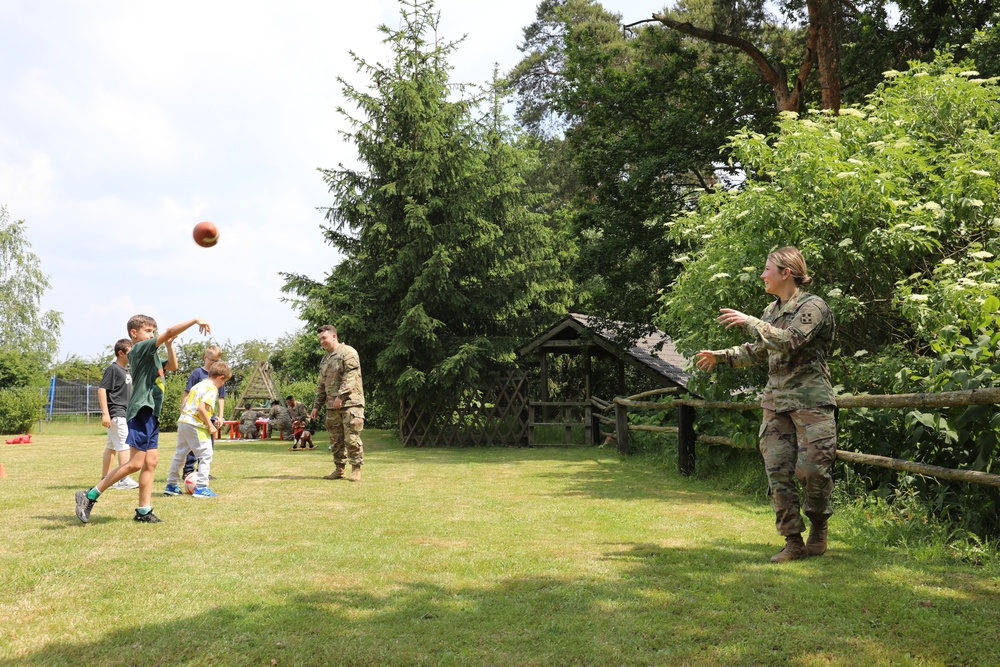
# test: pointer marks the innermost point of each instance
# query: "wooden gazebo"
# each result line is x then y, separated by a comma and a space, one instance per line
653, 356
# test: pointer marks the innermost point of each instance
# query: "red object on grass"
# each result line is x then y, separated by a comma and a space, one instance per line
20, 440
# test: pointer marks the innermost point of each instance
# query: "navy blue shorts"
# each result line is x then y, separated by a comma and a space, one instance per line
144, 431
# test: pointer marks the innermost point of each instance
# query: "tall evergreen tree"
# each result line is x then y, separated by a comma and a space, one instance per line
446, 268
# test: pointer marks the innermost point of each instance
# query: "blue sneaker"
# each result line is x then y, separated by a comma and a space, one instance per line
172, 490
204, 492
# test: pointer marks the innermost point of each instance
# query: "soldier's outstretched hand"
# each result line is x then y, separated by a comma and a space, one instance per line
705, 360
731, 318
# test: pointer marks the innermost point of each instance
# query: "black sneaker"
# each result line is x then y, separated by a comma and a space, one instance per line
147, 518
83, 506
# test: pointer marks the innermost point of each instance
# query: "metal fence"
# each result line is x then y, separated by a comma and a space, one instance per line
70, 398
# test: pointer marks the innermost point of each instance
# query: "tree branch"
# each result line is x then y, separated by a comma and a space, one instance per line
775, 75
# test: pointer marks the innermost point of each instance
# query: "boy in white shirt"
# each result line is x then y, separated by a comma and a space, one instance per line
195, 430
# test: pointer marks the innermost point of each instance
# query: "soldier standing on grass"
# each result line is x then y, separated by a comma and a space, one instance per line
799, 430
340, 388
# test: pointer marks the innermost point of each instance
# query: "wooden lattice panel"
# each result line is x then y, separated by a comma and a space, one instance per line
493, 414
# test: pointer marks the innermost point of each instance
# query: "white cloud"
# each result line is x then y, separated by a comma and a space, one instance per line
122, 124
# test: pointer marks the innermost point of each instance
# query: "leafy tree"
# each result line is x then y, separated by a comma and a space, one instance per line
296, 358
643, 113
894, 206
446, 266
19, 370
78, 369
22, 324
846, 43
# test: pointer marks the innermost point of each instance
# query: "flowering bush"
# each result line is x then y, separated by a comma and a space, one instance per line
895, 208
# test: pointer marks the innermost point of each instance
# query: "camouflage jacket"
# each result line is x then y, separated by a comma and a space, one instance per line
340, 375
795, 338
277, 417
298, 411
248, 418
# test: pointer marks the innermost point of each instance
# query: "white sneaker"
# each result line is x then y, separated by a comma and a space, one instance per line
124, 484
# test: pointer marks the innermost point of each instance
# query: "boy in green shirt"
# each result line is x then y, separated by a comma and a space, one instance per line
143, 413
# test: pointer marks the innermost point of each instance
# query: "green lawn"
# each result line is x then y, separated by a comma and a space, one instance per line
451, 557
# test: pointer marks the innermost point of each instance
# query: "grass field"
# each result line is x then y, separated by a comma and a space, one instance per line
451, 557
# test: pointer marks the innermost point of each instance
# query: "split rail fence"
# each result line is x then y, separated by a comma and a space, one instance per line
687, 437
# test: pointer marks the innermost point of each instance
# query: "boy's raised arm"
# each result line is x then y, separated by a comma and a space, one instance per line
171, 364
177, 329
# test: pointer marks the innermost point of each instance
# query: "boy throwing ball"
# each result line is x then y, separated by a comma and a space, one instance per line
143, 413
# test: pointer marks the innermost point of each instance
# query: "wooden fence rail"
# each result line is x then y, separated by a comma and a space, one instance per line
686, 436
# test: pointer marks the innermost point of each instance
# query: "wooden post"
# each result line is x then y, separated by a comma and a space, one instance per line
543, 363
567, 418
685, 440
621, 429
621, 378
531, 425
591, 429
524, 415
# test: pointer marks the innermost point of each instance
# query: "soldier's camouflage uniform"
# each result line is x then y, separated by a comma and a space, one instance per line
277, 420
798, 434
340, 375
248, 424
298, 411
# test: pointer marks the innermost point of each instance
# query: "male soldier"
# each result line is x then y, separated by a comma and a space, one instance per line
341, 390
248, 423
277, 420
297, 413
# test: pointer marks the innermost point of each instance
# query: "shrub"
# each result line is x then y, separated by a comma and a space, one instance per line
896, 206
20, 408
172, 401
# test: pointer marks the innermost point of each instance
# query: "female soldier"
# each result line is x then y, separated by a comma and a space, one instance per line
798, 435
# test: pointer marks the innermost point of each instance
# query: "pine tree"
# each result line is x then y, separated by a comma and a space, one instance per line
446, 269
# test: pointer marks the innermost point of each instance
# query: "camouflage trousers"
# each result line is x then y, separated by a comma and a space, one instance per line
799, 445
345, 426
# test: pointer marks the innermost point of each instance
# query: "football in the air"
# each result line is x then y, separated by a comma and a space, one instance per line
206, 234
189, 482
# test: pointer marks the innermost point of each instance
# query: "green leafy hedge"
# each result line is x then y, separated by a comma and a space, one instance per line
20, 408
896, 207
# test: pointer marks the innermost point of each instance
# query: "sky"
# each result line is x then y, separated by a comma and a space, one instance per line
124, 123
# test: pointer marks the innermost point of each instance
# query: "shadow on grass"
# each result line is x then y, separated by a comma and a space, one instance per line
69, 520
720, 604
284, 477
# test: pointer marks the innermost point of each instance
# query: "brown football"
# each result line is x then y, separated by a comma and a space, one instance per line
206, 234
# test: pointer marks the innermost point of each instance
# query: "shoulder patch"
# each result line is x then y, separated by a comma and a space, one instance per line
811, 313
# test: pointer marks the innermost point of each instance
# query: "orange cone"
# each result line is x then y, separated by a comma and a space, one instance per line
3, 471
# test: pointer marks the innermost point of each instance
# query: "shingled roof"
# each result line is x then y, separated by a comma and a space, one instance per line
655, 353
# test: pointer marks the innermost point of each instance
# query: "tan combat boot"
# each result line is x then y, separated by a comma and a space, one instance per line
794, 549
816, 544
336, 474
355, 473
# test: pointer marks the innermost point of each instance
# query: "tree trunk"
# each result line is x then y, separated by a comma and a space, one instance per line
824, 16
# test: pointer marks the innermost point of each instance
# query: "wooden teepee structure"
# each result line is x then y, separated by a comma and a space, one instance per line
258, 387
